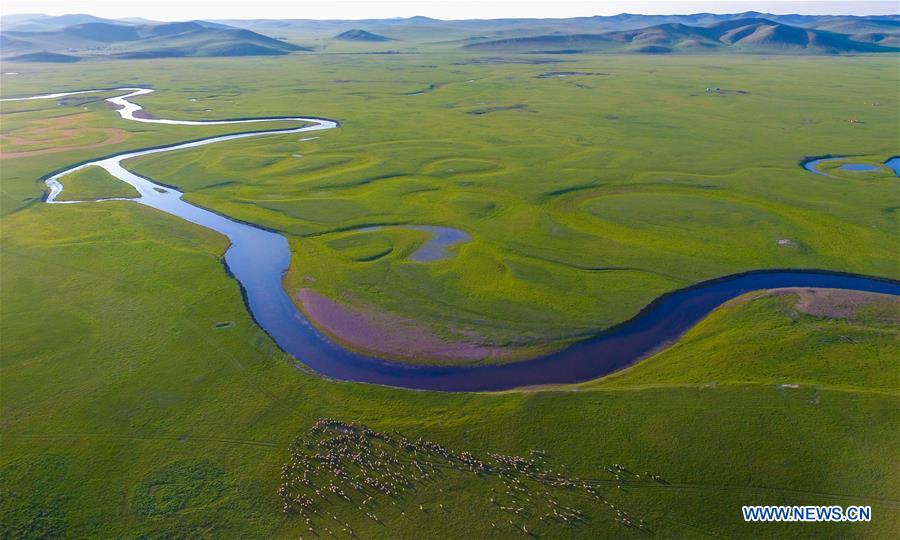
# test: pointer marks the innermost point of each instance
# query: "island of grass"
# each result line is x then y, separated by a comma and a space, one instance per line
92, 183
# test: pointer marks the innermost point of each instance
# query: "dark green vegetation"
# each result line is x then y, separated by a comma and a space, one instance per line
93, 39
129, 411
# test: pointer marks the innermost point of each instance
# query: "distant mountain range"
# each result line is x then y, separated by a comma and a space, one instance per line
126, 40
741, 35
34, 37
424, 28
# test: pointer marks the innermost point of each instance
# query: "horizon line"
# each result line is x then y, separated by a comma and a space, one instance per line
666, 14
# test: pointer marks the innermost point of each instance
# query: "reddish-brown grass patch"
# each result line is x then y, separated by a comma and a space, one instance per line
54, 133
390, 335
843, 304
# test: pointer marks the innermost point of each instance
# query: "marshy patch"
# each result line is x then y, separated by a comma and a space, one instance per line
844, 304
719, 91
362, 247
488, 110
390, 335
179, 486
434, 249
560, 74
501, 60
33, 504
427, 90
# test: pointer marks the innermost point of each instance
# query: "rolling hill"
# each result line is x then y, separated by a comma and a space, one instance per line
360, 35
428, 30
117, 40
751, 35
35, 22
44, 56
748, 32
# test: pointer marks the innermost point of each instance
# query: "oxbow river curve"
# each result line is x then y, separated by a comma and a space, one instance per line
258, 259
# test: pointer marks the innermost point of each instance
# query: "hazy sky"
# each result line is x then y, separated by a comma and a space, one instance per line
458, 9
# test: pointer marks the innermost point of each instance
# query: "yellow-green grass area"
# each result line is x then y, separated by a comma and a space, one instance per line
22, 185
128, 409
94, 183
598, 195
857, 353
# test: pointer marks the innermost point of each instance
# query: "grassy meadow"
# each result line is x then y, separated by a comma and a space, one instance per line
603, 192
93, 183
139, 400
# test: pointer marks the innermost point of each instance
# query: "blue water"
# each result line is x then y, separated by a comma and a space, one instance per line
894, 164
813, 165
436, 247
859, 167
658, 325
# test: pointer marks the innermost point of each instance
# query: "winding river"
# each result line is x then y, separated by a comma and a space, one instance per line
258, 260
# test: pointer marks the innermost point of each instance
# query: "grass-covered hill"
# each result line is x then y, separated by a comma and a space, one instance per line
881, 31
116, 40
36, 22
749, 32
741, 35
415, 31
360, 35
44, 56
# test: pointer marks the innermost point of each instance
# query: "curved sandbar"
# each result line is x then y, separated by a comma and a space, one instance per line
258, 259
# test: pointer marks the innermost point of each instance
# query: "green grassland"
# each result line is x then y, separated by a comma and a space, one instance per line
22, 184
604, 192
115, 381
94, 183
139, 400
857, 355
